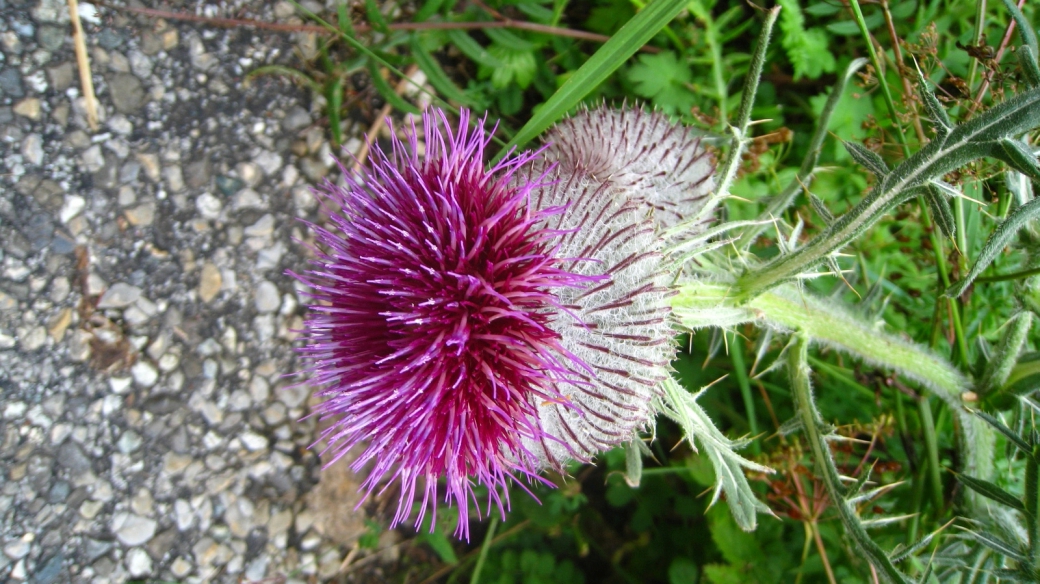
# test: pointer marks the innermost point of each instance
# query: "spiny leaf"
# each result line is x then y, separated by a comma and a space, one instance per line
821, 209
1019, 185
1012, 437
936, 111
941, 212
1006, 355
991, 491
866, 158
901, 553
995, 244
1019, 156
998, 545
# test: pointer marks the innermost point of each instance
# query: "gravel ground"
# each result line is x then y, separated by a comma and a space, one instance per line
146, 429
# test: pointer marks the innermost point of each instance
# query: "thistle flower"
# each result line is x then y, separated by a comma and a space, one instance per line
476, 325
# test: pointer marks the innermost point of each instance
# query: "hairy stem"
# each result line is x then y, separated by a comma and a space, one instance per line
798, 369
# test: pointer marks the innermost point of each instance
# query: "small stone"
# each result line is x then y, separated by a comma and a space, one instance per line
119, 295
150, 165
73, 206
57, 326
249, 173
208, 205
297, 119
174, 178
61, 76
127, 93
141, 215
129, 442
59, 492
120, 125
144, 373
20, 547
11, 83
142, 503
93, 159
29, 108
132, 530
32, 338
267, 298
259, 389
274, 414
89, 509
210, 282
253, 441
70, 456
138, 563
263, 227
269, 162
181, 567
248, 199
32, 149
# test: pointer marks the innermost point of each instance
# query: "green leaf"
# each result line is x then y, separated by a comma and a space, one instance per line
995, 244
436, 75
808, 50
998, 545
509, 40
607, 17
429, 8
1027, 58
850, 28
1006, 355
940, 119
942, 215
440, 544
633, 462
472, 49
866, 158
682, 571
375, 16
991, 491
663, 78
516, 66
636, 32
1020, 156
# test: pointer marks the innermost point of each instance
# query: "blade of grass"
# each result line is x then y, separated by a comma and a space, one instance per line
634, 34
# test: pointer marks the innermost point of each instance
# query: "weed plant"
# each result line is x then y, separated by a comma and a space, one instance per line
861, 322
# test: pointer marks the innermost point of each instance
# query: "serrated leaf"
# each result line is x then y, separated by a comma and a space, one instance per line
901, 553
1012, 437
516, 66
866, 158
808, 50
663, 78
942, 214
1020, 156
375, 16
991, 491
995, 244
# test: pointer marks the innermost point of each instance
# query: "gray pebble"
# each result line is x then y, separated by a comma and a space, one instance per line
267, 297
127, 93
50, 37
132, 530
297, 119
11, 83
71, 456
119, 295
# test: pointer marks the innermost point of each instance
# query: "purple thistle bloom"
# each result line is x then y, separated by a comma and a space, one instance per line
474, 324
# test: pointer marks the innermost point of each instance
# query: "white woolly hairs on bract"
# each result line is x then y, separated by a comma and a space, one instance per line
618, 193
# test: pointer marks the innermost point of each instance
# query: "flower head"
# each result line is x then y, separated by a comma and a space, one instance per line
474, 325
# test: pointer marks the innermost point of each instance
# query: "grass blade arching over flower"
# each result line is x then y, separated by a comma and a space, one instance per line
475, 325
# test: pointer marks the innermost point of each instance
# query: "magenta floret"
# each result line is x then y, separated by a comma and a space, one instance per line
429, 328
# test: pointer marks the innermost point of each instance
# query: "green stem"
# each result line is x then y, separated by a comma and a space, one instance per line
475, 578
885, 91
736, 353
798, 369
931, 444
1032, 492
1011, 276
700, 304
